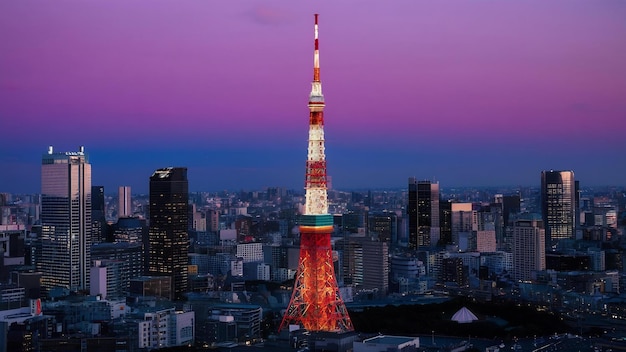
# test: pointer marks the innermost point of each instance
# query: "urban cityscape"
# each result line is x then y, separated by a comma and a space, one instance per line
427, 266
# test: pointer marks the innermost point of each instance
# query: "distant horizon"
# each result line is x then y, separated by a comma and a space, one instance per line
464, 92
135, 190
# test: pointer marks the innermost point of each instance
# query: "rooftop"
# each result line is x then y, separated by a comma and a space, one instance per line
389, 340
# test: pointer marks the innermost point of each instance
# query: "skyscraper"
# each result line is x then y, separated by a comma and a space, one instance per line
558, 203
124, 205
98, 217
423, 213
168, 238
65, 220
411, 213
316, 303
529, 251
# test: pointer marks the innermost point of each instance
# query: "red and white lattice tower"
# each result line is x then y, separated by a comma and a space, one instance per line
316, 304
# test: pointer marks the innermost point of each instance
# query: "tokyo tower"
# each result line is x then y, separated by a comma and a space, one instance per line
315, 302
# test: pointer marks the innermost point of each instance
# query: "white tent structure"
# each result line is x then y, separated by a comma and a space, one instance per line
464, 315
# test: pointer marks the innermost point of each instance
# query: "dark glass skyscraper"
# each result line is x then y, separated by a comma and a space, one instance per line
411, 213
98, 219
423, 213
168, 237
558, 205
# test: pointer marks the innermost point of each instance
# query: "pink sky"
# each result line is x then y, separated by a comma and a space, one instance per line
421, 88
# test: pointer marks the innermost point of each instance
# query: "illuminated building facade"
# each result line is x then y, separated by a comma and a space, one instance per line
423, 213
168, 238
558, 205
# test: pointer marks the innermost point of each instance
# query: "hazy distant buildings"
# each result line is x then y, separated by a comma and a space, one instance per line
529, 252
462, 219
384, 226
510, 206
168, 237
558, 205
423, 213
66, 220
124, 205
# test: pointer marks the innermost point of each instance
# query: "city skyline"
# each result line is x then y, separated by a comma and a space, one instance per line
481, 94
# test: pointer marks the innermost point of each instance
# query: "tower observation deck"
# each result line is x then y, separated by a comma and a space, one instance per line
316, 304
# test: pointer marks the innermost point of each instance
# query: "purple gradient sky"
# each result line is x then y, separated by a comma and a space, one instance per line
466, 92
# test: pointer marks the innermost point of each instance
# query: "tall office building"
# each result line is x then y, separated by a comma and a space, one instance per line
168, 237
98, 215
529, 251
411, 213
445, 223
423, 213
376, 267
558, 205
65, 220
510, 206
124, 205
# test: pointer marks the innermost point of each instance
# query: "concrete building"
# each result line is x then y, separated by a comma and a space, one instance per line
128, 256
166, 328
109, 279
250, 252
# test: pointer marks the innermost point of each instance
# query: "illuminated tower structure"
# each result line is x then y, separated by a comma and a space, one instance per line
316, 304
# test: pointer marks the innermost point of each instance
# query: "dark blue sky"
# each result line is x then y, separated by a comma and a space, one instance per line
467, 93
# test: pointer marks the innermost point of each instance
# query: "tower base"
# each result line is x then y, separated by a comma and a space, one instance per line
316, 304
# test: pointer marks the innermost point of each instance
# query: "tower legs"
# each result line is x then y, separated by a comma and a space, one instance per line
316, 304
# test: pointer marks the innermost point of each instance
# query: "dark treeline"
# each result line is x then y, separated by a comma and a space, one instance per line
496, 320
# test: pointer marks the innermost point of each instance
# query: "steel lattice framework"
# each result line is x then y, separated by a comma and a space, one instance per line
316, 304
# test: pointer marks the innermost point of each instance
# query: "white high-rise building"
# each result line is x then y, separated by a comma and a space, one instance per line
529, 248
66, 220
124, 205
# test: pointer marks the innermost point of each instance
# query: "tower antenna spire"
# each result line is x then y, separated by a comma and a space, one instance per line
316, 55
